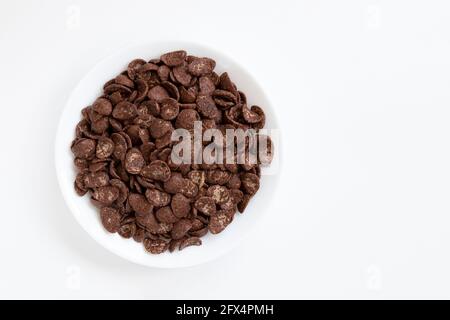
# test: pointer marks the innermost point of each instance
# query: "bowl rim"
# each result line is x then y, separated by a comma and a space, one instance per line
59, 141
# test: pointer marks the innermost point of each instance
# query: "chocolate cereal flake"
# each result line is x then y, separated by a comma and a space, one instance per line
123, 152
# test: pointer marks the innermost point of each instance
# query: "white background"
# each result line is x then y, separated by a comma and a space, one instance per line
362, 93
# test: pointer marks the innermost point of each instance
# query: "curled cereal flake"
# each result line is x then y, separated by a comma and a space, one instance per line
156, 170
180, 228
219, 222
220, 194
102, 106
147, 221
145, 182
134, 66
206, 106
116, 97
110, 219
186, 119
158, 93
206, 205
105, 148
96, 179
157, 246
201, 66
174, 58
175, 183
181, 75
160, 127
140, 204
134, 161
84, 148
157, 198
165, 215
124, 110
106, 194
180, 205
169, 109
124, 80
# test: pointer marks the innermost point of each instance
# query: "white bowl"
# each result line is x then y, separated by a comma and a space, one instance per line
87, 215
